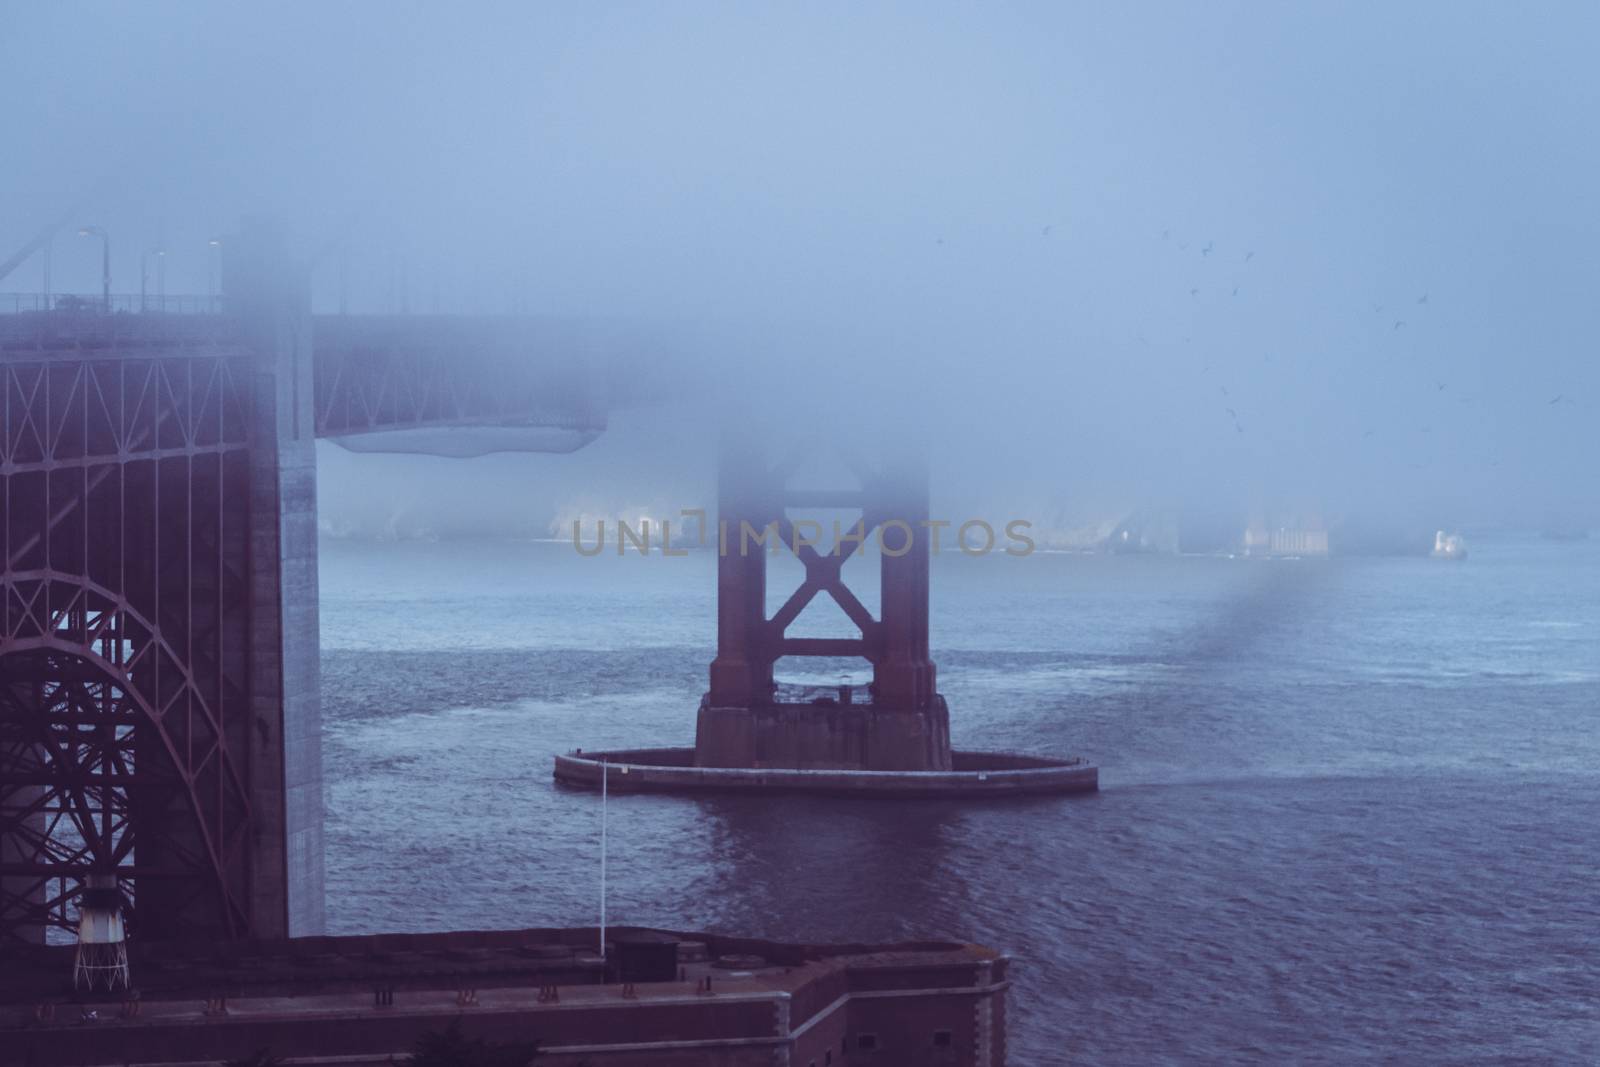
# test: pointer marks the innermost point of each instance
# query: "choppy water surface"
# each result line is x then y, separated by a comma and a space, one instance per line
1350, 809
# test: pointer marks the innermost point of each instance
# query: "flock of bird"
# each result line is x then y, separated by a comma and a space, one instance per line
1398, 323
1209, 249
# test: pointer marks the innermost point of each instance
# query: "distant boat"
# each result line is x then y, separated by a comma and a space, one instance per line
1449, 546
1286, 542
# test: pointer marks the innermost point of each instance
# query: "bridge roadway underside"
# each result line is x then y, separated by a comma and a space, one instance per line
160, 714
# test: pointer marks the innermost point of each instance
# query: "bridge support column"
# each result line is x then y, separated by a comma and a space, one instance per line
741, 675
904, 676
912, 727
744, 721
270, 295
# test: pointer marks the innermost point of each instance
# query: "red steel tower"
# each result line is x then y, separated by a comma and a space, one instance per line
159, 710
744, 721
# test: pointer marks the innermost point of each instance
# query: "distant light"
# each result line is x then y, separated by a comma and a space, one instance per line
216, 240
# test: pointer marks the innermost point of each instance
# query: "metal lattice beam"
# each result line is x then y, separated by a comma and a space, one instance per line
123, 615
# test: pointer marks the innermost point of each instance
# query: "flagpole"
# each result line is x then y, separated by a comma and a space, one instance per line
603, 790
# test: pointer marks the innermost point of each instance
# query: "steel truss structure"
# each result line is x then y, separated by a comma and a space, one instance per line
124, 614
375, 375
755, 496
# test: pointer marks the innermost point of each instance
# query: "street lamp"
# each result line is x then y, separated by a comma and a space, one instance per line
161, 277
105, 262
213, 268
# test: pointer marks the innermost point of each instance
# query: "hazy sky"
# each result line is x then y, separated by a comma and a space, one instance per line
865, 189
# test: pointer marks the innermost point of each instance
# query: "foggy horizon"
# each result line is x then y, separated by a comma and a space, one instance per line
1218, 261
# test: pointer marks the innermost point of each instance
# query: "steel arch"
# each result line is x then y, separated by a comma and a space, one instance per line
54, 619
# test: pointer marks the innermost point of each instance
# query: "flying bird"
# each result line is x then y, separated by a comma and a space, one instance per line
1440, 385
1377, 308
1558, 398
1398, 323
1247, 256
1224, 389
1423, 299
1206, 251
1236, 290
1165, 234
1194, 292
1046, 231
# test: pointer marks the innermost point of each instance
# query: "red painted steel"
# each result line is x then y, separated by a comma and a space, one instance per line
754, 495
125, 534
408, 372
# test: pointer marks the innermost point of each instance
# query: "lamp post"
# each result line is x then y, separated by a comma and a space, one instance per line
161, 278
213, 268
105, 262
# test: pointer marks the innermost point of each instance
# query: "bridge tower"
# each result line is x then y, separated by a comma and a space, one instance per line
900, 723
159, 710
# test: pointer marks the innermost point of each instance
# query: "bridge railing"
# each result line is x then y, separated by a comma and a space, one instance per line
121, 303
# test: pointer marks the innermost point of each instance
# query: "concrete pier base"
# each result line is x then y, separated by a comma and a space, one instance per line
831, 736
845, 748
971, 774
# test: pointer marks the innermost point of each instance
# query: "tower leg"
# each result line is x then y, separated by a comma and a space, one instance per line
274, 306
743, 720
